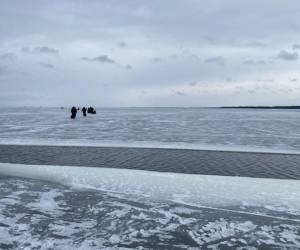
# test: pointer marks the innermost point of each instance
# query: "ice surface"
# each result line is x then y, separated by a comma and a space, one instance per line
197, 190
215, 129
65, 207
48, 215
38, 214
46, 201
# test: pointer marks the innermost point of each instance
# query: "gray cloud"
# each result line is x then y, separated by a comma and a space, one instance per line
102, 59
106, 59
254, 62
25, 50
261, 62
47, 65
122, 44
252, 91
40, 50
249, 62
293, 80
141, 30
220, 60
180, 93
2, 69
289, 56
193, 84
8, 56
128, 67
181, 56
45, 50
295, 27
157, 59
296, 46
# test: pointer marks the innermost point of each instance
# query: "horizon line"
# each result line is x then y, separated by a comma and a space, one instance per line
235, 106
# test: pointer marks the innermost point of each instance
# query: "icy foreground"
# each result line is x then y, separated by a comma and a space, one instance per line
204, 190
88, 208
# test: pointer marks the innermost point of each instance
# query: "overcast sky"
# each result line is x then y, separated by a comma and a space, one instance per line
149, 53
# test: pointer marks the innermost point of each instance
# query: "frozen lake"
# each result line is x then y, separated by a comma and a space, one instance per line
56, 197
225, 129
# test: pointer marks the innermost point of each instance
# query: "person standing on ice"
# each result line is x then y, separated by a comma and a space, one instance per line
73, 112
91, 110
84, 111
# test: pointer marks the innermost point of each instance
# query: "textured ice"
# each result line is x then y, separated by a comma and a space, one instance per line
46, 201
61, 207
216, 129
95, 219
196, 190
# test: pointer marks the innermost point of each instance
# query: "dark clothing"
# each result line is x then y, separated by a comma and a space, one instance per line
84, 111
73, 112
91, 110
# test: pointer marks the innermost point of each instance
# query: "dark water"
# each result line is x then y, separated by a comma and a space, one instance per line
263, 165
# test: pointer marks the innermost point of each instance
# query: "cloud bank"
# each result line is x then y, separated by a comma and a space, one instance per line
139, 53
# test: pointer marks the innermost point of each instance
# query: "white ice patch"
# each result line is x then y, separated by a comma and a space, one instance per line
47, 201
67, 229
218, 230
201, 190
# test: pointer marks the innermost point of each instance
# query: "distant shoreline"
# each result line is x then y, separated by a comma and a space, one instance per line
192, 107
261, 107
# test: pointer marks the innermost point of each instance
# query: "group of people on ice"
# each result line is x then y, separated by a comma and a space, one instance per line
74, 110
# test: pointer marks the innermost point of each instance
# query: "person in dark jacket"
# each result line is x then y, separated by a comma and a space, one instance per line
84, 111
73, 112
91, 110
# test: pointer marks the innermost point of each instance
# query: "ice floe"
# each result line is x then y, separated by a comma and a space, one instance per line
204, 190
